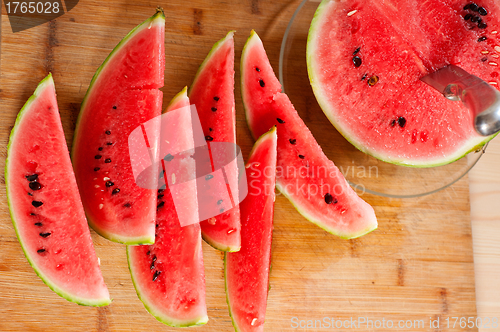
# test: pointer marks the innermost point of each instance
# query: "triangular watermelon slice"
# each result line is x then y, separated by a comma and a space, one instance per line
212, 93
169, 275
311, 182
122, 95
45, 206
247, 271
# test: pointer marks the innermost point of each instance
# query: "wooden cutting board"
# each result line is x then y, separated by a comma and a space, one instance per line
417, 265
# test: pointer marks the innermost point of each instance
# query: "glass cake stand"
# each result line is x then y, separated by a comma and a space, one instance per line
363, 172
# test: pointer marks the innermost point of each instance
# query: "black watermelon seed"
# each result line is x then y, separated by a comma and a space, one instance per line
364, 76
155, 276
152, 266
209, 138
107, 161
45, 235
357, 61
109, 143
216, 98
482, 25
335, 201
40, 251
98, 156
301, 156
473, 7
467, 6
483, 38
467, 17
257, 69
160, 196
168, 157
109, 184
328, 198
482, 11
35, 186
401, 121
208, 177
154, 258
30, 194
210, 129
96, 169
149, 252
115, 191
37, 203
219, 202
160, 205
484, 59
356, 51
393, 123
108, 132
114, 107
32, 177
39, 224
293, 141
214, 109
261, 82
475, 19
127, 205
100, 148
32, 214
161, 190
280, 121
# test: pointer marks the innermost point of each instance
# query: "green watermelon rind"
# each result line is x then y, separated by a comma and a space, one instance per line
162, 318
476, 143
235, 325
157, 18
215, 48
45, 83
179, 96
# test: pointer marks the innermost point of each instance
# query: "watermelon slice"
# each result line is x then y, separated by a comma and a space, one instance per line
122, 95
305, 175
169, 275
212, 93
45, 206
365, 60
247, 271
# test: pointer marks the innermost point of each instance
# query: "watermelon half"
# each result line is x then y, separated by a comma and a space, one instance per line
247, 271
122, 95
212, 93
311, 182
45, 206
169, 275
365, 60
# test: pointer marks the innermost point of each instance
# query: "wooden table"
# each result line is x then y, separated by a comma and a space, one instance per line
417, 266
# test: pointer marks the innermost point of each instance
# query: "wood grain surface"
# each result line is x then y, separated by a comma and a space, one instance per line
418, 265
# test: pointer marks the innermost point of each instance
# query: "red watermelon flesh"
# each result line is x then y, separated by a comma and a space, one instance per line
365, 61
169, 275
212, 93
247, 271
312, 182
45, 206
122, 95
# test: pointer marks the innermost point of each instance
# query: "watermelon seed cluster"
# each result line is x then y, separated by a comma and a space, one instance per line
474, 8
